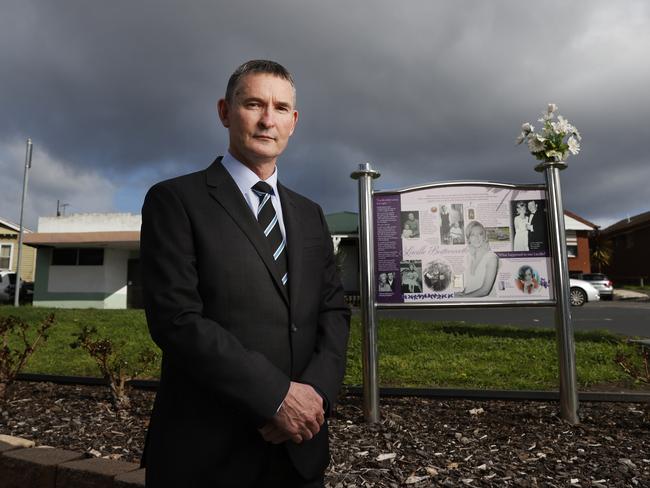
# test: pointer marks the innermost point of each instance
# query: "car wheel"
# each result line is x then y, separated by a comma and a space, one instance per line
577, 297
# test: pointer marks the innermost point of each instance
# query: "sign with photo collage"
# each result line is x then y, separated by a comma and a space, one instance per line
462, 244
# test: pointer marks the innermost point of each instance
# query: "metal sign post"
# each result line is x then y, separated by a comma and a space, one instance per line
365, 175
28, 164
563, 324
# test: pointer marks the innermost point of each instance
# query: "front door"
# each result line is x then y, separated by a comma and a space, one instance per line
133, 285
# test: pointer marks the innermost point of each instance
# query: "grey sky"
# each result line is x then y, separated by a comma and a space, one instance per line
118, 95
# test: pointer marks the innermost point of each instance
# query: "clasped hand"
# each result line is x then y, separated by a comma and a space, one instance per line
300, 417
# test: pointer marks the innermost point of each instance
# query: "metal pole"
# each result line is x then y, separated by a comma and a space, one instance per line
365, 175
563, 324
28, 164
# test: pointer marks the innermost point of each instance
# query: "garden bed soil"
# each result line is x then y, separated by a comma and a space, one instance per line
419, 442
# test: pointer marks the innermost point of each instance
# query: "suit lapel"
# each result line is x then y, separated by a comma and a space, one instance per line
224, 190
294, 242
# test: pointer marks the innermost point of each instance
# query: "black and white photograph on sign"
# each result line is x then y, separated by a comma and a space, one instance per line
527, 280
411, 224
537, 234
498, 234
437, 276
382, 284
520, 225
529, 225
411, 272
481, 263
391, 280
452, 223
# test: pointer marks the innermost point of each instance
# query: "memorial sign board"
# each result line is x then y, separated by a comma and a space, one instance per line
462, 243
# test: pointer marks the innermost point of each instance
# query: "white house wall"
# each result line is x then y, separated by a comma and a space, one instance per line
76, 281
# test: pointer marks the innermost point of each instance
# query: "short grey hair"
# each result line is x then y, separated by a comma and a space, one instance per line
257, 66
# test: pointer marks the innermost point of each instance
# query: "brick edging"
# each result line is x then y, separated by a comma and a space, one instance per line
24, 465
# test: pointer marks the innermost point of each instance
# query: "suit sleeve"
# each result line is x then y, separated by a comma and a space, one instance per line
206, 353
327, 366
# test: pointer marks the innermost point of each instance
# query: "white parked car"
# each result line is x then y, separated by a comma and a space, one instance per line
7, 279
582, 292
8, 285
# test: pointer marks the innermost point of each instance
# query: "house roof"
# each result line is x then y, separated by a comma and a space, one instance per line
575, 222
343, 223
12, 225
580, 219
628, 223
76, 238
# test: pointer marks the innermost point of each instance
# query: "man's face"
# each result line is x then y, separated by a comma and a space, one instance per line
390, 276
260, 118
532, 206
411, 216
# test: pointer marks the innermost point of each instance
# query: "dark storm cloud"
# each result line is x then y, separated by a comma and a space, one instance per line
423, 90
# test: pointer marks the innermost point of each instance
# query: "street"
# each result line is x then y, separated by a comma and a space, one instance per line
623, 317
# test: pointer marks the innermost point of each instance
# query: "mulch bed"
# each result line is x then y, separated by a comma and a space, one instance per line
419, 442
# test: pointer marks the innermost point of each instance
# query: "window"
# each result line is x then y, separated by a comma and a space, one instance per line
91, 257
64, 257
572, 251
5, 256
72, 256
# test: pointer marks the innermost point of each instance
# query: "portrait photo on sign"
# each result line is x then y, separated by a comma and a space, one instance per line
386, 282
452, 223
410, 224
529, 225
527, 280
411, 273
437, 276
481, 263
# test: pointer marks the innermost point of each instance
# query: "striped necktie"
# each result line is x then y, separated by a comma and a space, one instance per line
268, 220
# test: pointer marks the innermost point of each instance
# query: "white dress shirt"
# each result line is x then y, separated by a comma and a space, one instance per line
246, 179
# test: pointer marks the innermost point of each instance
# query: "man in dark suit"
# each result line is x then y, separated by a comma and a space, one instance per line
537, 238
242, 296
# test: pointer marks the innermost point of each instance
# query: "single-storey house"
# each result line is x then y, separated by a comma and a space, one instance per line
9, 233
87, 261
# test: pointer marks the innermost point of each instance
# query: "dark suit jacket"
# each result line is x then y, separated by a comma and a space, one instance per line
232, 336
537, 239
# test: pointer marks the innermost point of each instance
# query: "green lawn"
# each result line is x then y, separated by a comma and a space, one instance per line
411, 354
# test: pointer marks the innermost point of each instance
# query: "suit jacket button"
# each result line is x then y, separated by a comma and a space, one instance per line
294, 328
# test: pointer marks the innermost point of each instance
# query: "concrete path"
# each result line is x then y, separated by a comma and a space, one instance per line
629, 295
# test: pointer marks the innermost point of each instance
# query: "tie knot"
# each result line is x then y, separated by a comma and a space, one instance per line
262, 187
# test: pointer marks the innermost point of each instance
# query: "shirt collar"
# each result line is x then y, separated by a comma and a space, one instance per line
244, 177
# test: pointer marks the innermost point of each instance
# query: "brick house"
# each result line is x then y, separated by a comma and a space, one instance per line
577, 231
630, 239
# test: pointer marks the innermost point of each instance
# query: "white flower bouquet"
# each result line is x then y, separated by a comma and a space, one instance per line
555, 141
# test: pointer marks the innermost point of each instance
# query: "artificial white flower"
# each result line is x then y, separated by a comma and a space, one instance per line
562, 126
577, 134
536, 143
551, 108
574, 146
527, 128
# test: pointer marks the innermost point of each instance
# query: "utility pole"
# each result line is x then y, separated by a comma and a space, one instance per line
28, 164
